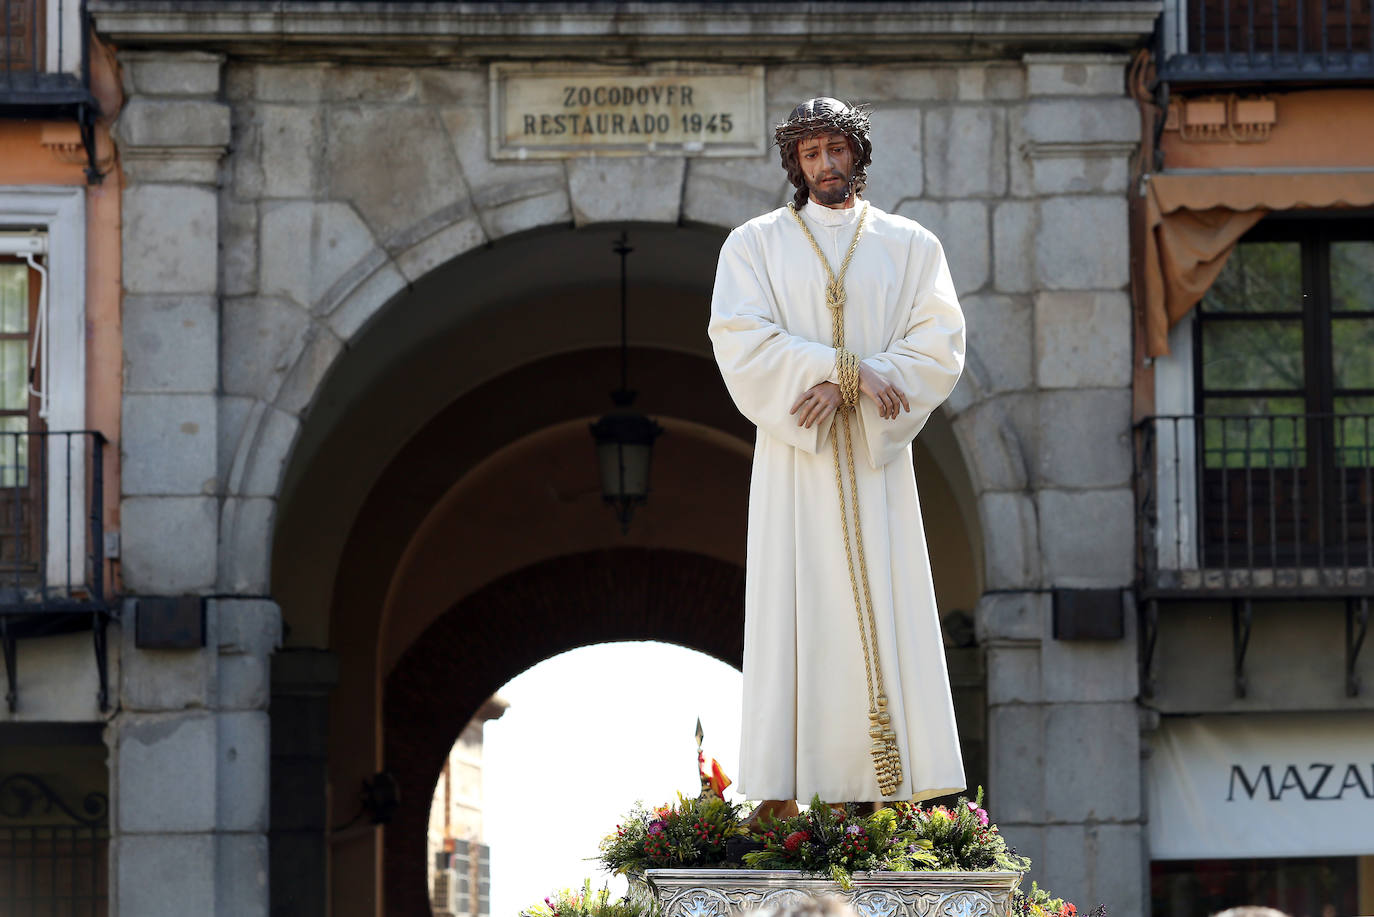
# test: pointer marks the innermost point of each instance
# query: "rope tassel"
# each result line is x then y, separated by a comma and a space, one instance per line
887, 759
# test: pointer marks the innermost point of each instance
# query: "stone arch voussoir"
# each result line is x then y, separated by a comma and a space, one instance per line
992, 438
354, 293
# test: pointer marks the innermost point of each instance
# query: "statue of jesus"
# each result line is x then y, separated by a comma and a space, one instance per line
838, 333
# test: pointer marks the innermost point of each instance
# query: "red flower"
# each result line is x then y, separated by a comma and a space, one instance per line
795, 840
1068, 910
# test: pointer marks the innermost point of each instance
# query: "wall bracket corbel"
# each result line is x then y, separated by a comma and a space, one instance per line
1242, 617
9, 642
1356, 628
1149, 637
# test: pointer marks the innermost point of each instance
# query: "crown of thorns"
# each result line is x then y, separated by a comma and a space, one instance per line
822, 116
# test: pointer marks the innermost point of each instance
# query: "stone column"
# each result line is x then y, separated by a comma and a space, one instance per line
190, 769
1064, 729
189, 749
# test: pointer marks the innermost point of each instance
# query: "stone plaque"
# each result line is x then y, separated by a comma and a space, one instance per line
555, 111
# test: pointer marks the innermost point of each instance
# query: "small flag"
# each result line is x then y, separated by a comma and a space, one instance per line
718, 779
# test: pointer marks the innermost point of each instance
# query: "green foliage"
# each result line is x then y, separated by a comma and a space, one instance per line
691, 833
838, 843
586, 903
833, 841
1039, 902
961, 837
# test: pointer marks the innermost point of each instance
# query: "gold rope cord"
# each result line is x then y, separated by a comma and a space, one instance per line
887, 761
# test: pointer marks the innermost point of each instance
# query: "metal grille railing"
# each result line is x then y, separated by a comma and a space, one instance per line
1256, 504
24, 39
51, 519
45, 67
1230, 40
44, 57
53, 857
22, 34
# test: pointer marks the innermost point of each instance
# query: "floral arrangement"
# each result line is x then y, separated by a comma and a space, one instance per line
693, 832
907, 836
1040, 903
585, 903
834, 841
961, 837
837, 841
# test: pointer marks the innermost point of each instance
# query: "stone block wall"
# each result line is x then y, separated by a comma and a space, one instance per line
323, 217
189, 746
189, 773
272, 209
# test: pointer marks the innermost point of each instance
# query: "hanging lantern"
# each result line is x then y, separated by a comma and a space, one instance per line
624, 438
624, 448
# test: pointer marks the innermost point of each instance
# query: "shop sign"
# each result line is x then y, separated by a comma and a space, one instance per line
1269, 785
553, 111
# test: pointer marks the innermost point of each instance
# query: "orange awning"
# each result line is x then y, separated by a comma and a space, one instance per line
1194, 219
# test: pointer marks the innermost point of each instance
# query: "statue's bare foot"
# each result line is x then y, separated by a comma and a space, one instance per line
771, 808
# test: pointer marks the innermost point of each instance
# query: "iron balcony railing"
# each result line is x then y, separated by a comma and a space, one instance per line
45, 67
44, 55
51, 520
52, 535
1240, 41
1256, 505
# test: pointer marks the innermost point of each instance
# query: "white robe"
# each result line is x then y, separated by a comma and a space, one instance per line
805, 717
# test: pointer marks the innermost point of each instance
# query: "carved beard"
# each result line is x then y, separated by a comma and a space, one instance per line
833, 194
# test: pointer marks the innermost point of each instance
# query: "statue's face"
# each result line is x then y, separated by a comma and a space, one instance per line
827, 162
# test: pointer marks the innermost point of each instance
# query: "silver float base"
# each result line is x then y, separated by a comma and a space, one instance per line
723, 892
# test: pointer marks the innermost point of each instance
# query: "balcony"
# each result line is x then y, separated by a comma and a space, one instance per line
45, 66
1245, 508
1234, 506
1221, 42
52, 535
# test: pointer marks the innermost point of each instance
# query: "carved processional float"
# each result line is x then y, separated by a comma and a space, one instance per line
701, 858
722, 892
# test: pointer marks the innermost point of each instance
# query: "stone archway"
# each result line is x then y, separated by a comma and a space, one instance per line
450, 411
512, 624
482, 367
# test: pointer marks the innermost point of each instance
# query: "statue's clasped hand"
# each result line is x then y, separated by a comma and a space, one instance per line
816, 404
889, 399
820, 401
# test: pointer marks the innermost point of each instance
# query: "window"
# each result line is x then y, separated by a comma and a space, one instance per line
56, 468
20, 286
1284, 376
1316, 887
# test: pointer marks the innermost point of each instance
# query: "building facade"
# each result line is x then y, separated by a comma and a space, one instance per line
1255, 245
459, 855
60, 360
367, 303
